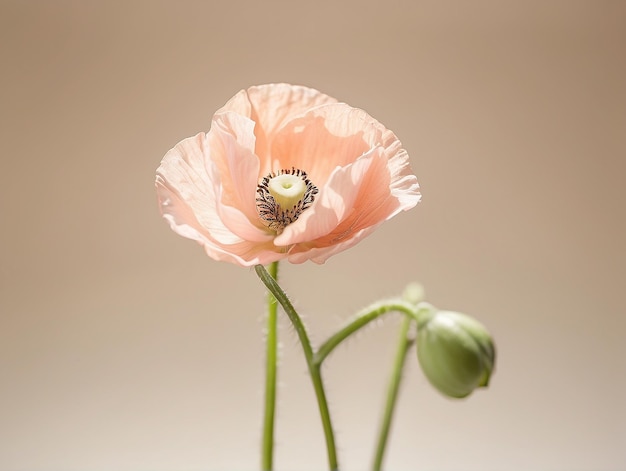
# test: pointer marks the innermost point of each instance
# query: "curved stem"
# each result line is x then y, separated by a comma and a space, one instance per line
404, 343
314, 369
271, 354
366, 316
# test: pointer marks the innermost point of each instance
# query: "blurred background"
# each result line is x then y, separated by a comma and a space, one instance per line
124, 347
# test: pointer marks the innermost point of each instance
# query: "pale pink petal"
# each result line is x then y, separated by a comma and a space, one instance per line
334, 202
231, 143
319, 255
274, 104
326, 137
178, 213
183, 221
336, 134
270, 107
375, 203
185, 189
188, 202
239, 224
404, 184
230, 249
246, 254
240, 104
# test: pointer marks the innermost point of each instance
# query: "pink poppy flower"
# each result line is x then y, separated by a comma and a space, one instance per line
285, 172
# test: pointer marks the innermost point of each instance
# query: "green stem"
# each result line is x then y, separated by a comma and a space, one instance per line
404, 343
366, 316
314, 369
271, 354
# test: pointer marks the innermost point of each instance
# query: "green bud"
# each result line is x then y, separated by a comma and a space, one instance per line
455, 352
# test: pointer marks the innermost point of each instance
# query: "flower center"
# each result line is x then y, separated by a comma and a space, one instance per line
282, 196
287, 189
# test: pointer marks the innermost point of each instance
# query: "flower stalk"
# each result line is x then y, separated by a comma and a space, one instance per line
271, 361
314, 369
366, 316
404, 344
413, 312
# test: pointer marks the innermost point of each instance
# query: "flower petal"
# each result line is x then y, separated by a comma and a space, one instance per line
231, 142
183, 221
239, 224
186, 195
188, 202
270, 107
326, 137
246, 254
319, 255
335, 201
362, 190
376, 203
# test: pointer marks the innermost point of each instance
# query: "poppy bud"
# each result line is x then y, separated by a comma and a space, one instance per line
455, 352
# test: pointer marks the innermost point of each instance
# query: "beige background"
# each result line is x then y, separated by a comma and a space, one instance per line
123, 347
